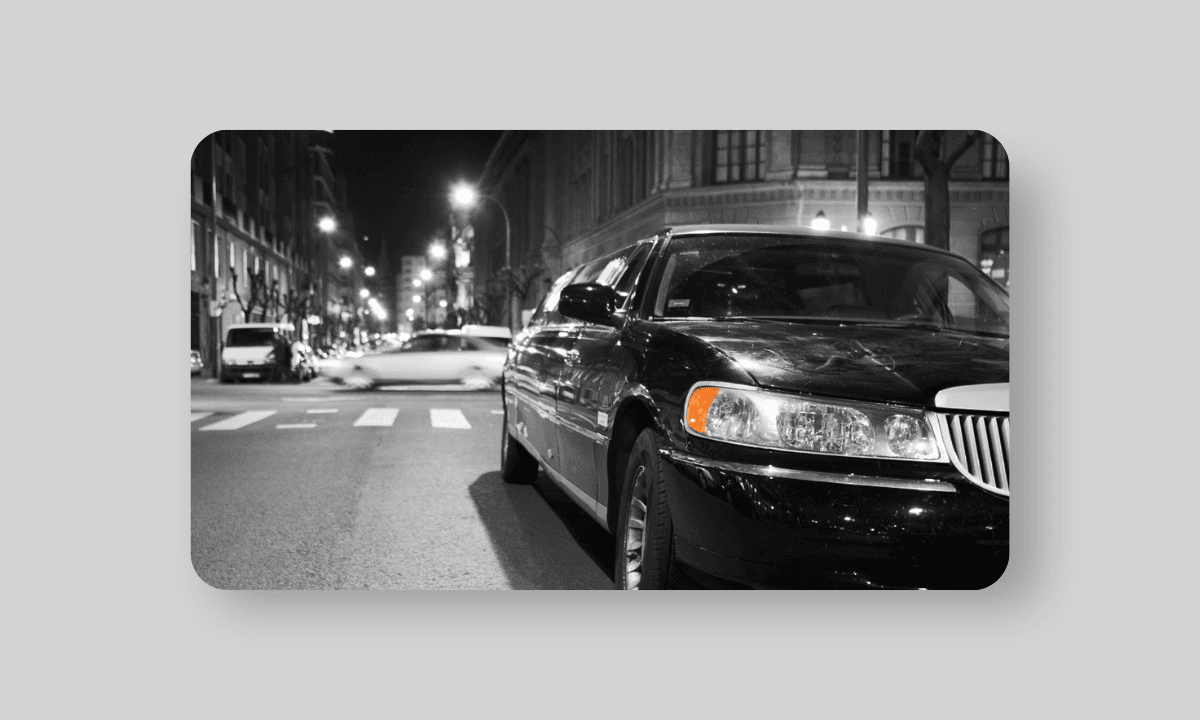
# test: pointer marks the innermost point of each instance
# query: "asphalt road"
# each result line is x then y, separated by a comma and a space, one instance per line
315, 486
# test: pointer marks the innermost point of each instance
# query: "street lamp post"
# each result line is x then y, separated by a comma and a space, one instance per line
465, 197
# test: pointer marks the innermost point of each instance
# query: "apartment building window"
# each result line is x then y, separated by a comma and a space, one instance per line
195, 232
740, 156
897, 158
993, 254
216, 257
995, 159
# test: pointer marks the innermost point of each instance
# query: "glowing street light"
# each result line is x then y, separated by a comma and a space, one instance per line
426, 274
416, 283
442, 303
364, 293
437, 250
464, 196
327, 224
820, 222
369, 271
345, 262
869, 225
416, 299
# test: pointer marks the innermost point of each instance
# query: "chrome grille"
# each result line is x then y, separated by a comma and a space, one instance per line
978, 447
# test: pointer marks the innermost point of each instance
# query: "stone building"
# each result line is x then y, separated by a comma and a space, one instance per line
256, 252
574, 195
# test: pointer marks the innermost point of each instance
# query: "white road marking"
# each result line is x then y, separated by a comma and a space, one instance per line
240, 420
288, 426
497, 412
307, 399
448, 418
314, 411
377, 417
198, 416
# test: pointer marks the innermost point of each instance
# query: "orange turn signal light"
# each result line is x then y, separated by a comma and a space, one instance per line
697, 407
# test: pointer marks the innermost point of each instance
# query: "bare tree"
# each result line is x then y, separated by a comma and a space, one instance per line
936, 160
258, 297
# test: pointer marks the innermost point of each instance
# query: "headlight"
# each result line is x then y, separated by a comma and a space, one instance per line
795, 422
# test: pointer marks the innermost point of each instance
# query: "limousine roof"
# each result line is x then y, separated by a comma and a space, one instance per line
716, 229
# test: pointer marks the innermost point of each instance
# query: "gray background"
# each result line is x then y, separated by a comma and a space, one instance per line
104, 106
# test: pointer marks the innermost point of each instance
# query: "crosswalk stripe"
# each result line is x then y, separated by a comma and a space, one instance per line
240, 420
199, 416
377, 417
448, 418
288, 426
314, 411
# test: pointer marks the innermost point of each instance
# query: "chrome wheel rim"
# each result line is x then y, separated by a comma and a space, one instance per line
635, 531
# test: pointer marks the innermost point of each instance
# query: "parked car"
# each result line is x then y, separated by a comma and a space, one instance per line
196, 363
765, 407
249, 350
431, 357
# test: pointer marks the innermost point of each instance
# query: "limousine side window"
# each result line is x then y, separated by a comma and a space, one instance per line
547, 313
637, 260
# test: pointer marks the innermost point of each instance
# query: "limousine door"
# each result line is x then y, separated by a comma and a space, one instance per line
533, 386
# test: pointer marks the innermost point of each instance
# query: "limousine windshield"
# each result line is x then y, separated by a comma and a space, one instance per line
768, 277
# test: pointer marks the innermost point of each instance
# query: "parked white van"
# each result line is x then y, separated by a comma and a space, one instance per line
249, 350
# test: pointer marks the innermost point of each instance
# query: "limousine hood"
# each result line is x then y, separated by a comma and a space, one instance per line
857, 361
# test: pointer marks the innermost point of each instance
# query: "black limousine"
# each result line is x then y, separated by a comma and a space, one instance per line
767, 407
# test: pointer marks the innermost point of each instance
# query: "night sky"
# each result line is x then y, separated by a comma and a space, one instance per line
398, 182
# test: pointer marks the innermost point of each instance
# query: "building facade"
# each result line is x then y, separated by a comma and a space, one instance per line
256, 251
572, 196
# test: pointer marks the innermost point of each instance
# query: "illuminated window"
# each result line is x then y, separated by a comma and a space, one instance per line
993, 254
195, 232
995, 159
740, 156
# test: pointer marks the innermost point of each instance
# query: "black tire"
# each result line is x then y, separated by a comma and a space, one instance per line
517, 466
656, 568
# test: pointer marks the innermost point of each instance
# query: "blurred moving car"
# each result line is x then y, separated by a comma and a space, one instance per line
771, 407
488, 331
249, 350
196, 363
430, 357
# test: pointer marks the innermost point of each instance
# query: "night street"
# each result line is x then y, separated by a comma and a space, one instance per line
318, 487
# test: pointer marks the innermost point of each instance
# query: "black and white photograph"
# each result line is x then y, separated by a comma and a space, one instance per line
592, 360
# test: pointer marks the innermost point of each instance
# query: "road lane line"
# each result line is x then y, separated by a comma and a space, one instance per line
288, 426
240, 420
497, 412
199, 416
314, 411
377, 417
448, 418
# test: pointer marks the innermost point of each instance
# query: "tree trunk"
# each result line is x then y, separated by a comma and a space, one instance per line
937, 163
937, 207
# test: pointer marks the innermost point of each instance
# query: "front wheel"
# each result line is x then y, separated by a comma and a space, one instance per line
645, 543
359, 380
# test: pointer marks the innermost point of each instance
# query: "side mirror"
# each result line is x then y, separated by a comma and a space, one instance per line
590, 302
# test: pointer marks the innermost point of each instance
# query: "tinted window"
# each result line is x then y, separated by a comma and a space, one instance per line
637, 260
250, 337
547, 313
